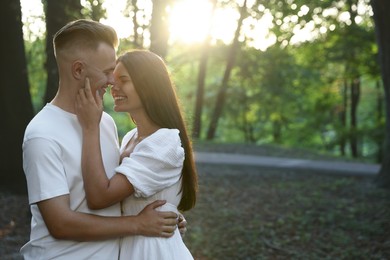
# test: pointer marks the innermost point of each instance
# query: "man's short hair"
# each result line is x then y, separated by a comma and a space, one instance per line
84, 33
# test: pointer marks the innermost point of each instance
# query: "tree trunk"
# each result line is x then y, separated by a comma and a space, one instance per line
343, 118
248, 128
355, 96
58, 13
379, 115
197, 125
159, 32
137, 39
277, 131
229, 66
381, 10
15, 99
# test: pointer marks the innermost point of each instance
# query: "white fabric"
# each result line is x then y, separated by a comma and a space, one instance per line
52, 149
154, 169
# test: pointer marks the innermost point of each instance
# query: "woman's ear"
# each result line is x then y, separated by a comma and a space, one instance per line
78, 70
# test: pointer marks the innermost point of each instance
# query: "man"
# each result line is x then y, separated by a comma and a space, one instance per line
62, 226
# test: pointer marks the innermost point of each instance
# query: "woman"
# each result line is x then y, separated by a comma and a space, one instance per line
156, 157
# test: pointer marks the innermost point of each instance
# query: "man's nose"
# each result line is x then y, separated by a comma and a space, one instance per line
110, 79
114, 87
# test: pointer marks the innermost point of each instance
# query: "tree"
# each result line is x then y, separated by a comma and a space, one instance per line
197, 125
381, 10
348, 42
140, 22
134, 11
93, 9
15, 99
224, 85
136, 24
159, 33
57, 13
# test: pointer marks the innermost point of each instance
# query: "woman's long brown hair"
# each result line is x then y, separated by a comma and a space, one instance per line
152, 82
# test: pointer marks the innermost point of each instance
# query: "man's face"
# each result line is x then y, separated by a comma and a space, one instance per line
100, 67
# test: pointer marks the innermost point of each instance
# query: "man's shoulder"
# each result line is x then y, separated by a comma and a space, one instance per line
37, 123
45, 123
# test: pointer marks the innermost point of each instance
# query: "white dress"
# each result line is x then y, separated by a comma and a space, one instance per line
154, 169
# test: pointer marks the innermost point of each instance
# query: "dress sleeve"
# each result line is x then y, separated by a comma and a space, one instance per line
155, 164
126, 139
42, 164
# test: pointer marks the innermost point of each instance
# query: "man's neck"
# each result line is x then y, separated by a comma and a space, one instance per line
64, 103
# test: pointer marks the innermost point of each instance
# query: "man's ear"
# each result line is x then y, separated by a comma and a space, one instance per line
78, 70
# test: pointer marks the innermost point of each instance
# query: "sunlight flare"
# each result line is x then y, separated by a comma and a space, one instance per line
190, 21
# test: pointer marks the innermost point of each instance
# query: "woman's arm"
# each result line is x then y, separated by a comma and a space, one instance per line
101, 192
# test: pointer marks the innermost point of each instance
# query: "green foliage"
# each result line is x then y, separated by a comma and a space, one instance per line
290, 94
93, 9
36, 57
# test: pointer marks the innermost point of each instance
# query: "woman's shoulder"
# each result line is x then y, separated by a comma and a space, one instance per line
161, 143
165, 137
167, 132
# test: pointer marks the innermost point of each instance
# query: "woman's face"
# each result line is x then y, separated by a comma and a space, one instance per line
125, 96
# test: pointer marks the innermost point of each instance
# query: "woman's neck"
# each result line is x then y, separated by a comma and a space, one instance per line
145, 126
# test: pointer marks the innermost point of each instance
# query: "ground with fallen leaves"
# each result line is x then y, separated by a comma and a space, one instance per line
253, 213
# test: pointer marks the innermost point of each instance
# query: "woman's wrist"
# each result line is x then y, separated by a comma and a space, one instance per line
91, 129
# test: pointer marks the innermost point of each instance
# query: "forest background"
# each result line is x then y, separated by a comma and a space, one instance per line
312, 81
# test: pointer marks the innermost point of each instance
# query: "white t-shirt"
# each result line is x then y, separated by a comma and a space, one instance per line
52, 149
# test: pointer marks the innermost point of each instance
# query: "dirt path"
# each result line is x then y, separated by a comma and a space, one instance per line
337, 167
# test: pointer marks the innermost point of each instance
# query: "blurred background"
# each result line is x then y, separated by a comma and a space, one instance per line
289, 73
283, 72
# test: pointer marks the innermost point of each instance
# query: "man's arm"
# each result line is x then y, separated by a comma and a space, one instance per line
63, 223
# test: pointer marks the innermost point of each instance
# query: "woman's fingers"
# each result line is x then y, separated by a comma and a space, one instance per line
99, 99
87, 89
82, 97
